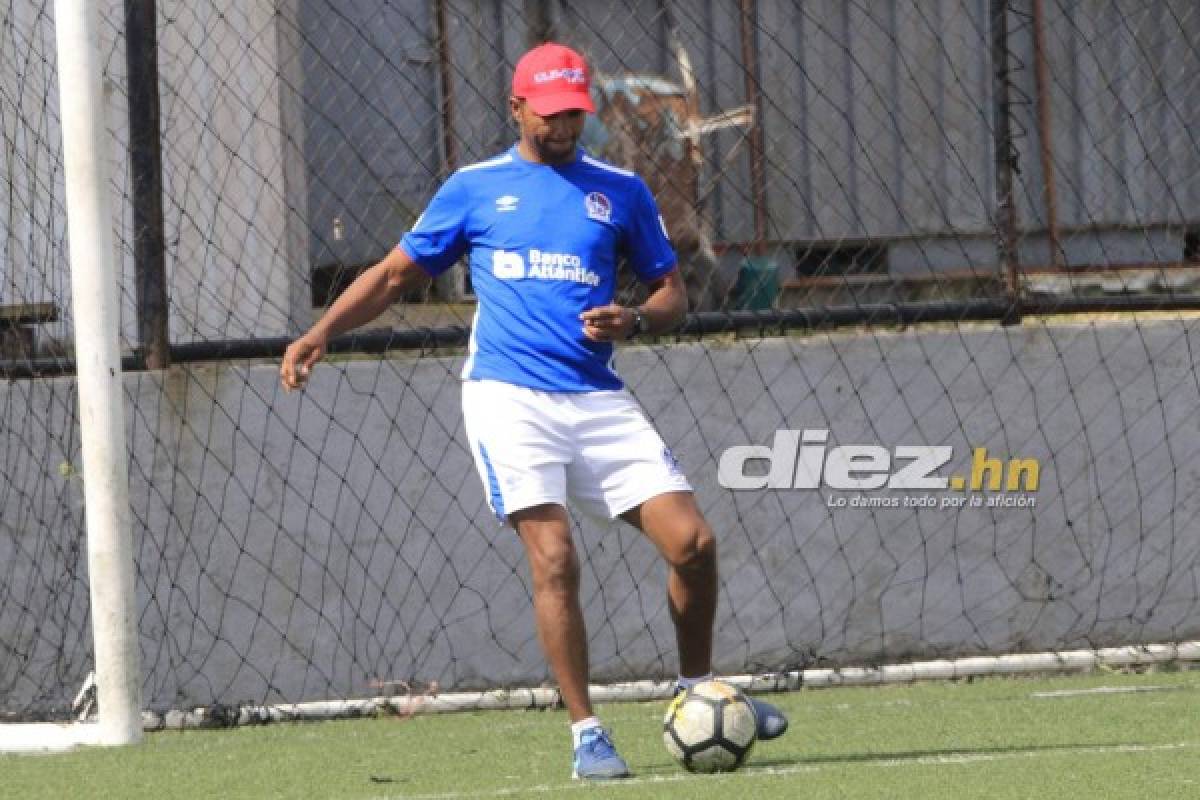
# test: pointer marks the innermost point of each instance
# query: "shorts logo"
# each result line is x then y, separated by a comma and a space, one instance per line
598, 207
671, 461
507, 203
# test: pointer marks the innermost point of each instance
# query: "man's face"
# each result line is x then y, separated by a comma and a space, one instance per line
554, 138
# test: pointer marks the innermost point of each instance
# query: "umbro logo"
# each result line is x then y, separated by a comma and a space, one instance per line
507, 203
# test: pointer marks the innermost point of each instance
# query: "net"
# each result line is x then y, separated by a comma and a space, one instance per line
937, 395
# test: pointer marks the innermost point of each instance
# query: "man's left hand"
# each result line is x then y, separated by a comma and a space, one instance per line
610, 323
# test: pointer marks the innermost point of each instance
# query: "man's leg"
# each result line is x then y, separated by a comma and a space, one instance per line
673, 522
677, 528
546, 532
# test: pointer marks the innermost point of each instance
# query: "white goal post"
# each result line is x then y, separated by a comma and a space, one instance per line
102, 427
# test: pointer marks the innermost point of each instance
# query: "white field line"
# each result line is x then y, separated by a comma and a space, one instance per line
938, 759
1108, 690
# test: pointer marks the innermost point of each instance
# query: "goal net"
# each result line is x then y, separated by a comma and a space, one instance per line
937, 395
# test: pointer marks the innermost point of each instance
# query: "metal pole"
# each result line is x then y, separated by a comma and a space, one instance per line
446, 81
1005, 157
97, 351
758, 170
449, 285
145, 172
540, 22
1042, 79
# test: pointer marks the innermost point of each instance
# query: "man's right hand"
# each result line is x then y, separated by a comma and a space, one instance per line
298, 360
363, 300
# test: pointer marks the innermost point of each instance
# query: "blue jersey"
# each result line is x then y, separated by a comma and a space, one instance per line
543, 243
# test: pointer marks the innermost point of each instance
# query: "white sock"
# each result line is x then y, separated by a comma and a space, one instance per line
687, 683
577, 728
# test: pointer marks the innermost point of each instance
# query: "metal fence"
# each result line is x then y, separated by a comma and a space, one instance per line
821, 165
854, 152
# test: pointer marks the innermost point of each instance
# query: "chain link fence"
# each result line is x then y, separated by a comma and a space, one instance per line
831, 173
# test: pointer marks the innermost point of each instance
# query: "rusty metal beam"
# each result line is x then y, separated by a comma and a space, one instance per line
757, 143
1046, 145
145, 176
1005, 154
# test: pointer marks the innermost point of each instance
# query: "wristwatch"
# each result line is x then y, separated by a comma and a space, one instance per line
639, 323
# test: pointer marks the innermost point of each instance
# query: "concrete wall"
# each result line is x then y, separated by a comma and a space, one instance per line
871, 132
305, 133
32, 223
1123, 105
234, 191
312, 545
371, 120
234, 197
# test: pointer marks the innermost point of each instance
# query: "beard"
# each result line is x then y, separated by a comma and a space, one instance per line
556, 150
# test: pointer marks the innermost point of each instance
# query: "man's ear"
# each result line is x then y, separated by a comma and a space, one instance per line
514, 107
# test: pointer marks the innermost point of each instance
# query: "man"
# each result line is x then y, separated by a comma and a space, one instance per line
546, 416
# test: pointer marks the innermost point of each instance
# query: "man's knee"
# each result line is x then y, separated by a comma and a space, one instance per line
694, 548
552, 560
550, 549
555, 566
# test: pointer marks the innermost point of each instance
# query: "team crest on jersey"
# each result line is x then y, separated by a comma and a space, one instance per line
507, 203
598, 206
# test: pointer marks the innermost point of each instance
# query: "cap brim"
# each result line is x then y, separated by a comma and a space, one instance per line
547, 104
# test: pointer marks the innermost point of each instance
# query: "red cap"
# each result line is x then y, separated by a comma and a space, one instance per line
553, 78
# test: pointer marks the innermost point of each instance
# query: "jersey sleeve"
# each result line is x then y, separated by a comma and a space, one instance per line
438, 239
646, 245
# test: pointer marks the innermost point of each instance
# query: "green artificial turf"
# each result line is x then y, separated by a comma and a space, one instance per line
995, 738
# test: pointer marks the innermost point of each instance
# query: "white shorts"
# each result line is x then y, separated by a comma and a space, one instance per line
533, 447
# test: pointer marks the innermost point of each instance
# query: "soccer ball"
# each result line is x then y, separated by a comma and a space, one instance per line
710, 727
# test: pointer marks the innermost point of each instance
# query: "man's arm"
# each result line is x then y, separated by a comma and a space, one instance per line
365, 299
663, 310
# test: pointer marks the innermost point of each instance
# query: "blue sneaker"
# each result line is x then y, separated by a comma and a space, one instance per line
771, 721
596, 759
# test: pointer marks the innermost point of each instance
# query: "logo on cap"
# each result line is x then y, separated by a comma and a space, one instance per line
568, 74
